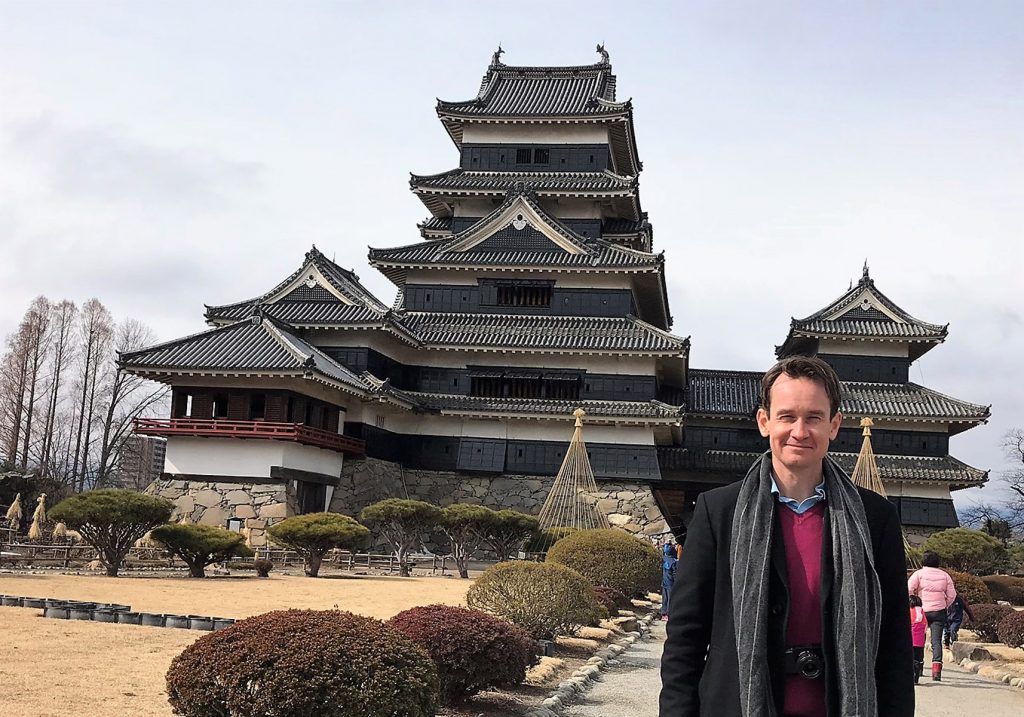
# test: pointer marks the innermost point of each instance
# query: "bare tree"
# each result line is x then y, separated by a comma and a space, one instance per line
12, 383
126, 396
62, 322
95, 329
35, 335
1012, 509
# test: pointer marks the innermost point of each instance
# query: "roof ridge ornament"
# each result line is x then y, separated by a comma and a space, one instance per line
496, 57
605, 59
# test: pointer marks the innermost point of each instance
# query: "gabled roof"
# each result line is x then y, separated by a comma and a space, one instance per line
555, 334
737, 394
318, 287
437, 190
915, 469
435, 227
518, 234
255, 346
577, 93
863, 313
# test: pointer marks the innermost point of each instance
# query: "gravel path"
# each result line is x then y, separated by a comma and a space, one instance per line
632, 686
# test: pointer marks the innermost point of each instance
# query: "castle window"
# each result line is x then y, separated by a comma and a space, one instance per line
523, 156
220, 405
257, 406
541, 156
527, 296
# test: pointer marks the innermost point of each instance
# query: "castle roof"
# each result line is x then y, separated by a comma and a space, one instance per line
915, 469
575, 93
863, 313
737, 394
619, 412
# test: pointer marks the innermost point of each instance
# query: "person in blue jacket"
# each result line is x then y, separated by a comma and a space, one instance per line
668, 576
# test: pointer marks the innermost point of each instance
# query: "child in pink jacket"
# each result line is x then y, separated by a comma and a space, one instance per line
918, 627
935, 588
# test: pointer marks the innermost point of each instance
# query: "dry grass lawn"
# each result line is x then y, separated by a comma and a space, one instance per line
60, 667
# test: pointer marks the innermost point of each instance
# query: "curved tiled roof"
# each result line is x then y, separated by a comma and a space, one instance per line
509, 91
303, 313
737, 393
449, 403
243, 347
941, 469
465, 181
341, 280
558, 333
857, 327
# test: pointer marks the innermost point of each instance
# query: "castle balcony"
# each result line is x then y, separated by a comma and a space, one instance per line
218, 428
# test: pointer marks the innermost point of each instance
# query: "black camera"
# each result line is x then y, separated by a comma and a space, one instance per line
807, 662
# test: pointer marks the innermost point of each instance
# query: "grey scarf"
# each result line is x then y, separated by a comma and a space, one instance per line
856, 593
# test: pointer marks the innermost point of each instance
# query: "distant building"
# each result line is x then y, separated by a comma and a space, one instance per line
534, 290
142, 461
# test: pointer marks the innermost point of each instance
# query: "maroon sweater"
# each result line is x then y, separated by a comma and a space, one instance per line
802, 535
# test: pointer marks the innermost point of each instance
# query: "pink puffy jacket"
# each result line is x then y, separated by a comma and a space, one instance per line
934, 587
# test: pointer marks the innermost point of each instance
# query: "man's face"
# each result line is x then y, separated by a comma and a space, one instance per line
799, 428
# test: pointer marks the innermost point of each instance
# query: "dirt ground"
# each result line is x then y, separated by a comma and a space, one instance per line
59, 667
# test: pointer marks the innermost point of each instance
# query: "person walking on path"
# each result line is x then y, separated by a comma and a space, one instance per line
918, 629
668, 577
935, 588
955, 618
794, 598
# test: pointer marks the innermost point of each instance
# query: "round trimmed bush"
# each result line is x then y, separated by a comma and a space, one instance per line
611, 599
262, 567
971, 587
542, 540
1005, 587
1011, 630
471, 649
986, 621
295, 663
611, 558
544, 599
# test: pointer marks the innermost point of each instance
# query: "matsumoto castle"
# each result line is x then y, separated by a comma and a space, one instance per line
534, 289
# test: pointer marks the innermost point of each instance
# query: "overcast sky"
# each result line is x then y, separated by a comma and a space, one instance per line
160, 155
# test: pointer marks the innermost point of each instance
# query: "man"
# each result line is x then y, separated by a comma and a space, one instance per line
791, 595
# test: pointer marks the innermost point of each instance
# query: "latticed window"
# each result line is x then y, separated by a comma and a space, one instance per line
519, 295
541, 155
524, 156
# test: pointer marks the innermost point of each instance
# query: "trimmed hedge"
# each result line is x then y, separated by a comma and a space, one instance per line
1011, 630
295, 663
471, 649
986, 621
542, 540
262, 567
611, 558
1005, 587
542, 598
971, 587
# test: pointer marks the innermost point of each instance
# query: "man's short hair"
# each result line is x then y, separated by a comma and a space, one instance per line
810, 367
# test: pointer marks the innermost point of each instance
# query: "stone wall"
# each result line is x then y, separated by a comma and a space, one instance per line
214, 502
628, 505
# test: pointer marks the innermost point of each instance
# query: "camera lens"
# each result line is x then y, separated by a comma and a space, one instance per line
809, 664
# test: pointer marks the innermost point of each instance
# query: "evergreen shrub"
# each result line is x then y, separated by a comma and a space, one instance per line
1011, 630
986, 621
201, 545
263, 567
971, 587
612, 558
1005, 587
544, 599
471, 649
542, 540
296, 663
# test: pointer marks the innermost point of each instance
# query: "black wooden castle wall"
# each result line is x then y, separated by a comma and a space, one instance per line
482, 298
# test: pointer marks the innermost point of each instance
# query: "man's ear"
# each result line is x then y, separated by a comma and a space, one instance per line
762, 422
834, 425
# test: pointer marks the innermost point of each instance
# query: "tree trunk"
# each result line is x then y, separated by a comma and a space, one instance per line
112, 570
313, 561
462, 563
197, 569
403, 566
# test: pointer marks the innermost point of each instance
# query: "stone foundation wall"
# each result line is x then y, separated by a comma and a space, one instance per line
214, 502
628, 505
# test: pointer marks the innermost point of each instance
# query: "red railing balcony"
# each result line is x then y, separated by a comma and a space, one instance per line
216, 428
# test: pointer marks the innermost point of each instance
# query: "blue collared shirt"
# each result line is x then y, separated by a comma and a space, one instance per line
800, 507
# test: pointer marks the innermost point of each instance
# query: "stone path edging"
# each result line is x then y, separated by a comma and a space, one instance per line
994, 675
583, 679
